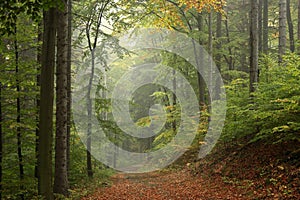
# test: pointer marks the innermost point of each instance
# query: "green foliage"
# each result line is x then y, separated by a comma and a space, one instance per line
26, 79
10, 10
278, 101
272, 113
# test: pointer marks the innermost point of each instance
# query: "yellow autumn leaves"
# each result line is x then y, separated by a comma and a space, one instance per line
172, 13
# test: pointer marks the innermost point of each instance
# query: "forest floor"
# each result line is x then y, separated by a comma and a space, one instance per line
254, 171
166, 185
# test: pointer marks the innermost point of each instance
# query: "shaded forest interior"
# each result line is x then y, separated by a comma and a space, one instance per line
65, 74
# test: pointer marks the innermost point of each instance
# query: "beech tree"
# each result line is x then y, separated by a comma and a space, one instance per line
265, 26
46, 105
69, 88
61, 175
1, 141
282, 29
298, 32
290, 25
35, 40
253, 45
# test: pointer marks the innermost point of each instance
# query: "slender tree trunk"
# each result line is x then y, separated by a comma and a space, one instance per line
260, 25
229, 59
201, 82
89, 109
38, 69
298, 26
69, 71
1, 141
174, 99
93, 26
115, 152
282, 29
219, 55
210, 53
210, 47
60, 177
265, 27
18, 120
46, 105
219, 43
253, 45
298, 33
290, 25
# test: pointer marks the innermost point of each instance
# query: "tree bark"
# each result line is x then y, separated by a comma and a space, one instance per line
282, 29
89, 110
265, 27
37, 101
298, 26
219, 55
60, 177
219, 43
69, 71
201, 82
1, 141
253, 45
290, 25
260, 25
210, 53
174, 98
298, 33
46, 106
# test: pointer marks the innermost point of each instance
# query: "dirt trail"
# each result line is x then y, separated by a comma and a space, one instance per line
167, 185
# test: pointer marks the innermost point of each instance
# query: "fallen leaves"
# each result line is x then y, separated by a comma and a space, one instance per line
166, 186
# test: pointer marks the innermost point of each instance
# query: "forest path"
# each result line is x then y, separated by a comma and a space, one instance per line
167, 185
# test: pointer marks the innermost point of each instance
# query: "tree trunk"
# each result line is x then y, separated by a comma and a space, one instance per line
46, 106
92, 26
174, 99
260, 25
60, 177
290, 25
69, 89
298, 36
265, 27
282, 29
219, 43
37, 101
219, 55
18, 120
89, 110
253, 45
298, 26
210, 54
229, 58
201, 82
1, 141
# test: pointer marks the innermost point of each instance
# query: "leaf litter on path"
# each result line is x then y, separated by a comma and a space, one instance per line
167, 185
